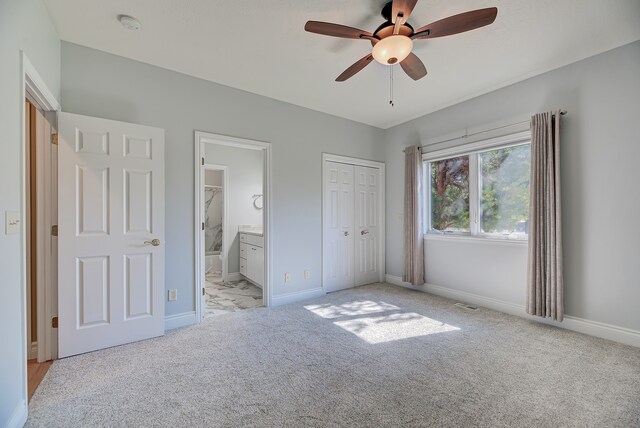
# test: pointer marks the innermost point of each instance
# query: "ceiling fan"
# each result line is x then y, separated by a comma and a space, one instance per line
393, 40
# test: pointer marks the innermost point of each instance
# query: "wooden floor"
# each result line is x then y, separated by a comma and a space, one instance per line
35, 374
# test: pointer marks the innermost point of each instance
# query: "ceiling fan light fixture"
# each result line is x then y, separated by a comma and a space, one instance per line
393, 40
392, 49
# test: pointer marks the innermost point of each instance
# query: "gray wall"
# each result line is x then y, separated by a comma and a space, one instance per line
245, 172
213, 177
98, 84
25, 25
600, 193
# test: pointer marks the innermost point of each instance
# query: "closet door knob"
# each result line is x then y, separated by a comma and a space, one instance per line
346, 233
364, 232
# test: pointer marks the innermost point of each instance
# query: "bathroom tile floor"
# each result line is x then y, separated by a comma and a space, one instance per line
231, 296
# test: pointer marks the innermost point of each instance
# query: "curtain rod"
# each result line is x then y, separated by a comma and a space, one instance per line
562, 113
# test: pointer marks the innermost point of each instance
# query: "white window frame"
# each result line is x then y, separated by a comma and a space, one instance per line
475, 182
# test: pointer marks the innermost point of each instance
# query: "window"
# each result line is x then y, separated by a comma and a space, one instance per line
483, 191
450, 195
504, 191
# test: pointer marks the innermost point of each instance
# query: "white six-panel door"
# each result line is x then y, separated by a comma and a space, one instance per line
338, 227
110, 210
367, 232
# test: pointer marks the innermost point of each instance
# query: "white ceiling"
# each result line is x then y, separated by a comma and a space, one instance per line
261, 47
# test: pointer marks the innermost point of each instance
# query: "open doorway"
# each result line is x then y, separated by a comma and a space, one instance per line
232, 280
36, 127
38, 234
233, 222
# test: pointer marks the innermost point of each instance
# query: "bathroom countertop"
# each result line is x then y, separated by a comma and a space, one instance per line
251, 230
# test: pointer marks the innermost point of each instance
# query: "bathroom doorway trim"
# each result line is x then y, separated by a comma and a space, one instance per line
201, 139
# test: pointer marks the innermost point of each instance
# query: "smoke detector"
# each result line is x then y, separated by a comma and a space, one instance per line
129, 22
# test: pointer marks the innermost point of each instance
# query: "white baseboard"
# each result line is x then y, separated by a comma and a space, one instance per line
179, 320
33, 351
254, 283
19, 416
297, 296
581, 325
234, 276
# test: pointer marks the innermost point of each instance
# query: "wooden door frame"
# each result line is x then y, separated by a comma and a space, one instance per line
201, 138
328, 157
31, 83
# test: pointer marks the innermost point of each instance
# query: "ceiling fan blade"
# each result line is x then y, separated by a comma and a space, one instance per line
357, 66
404, 7
413, 66
457, 23
336, 30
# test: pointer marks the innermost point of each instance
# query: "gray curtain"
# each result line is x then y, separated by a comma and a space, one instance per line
544, 282
413, 230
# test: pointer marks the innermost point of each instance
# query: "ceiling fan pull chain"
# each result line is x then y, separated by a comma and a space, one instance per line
391, 85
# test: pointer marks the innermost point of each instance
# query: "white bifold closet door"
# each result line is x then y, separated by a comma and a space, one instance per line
338, 227
351, 226
367, 233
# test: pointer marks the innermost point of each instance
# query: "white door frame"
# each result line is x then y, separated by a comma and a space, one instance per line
225, 215
202, 138
328, 157
32, 83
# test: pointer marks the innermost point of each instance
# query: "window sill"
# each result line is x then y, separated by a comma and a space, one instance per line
476, 239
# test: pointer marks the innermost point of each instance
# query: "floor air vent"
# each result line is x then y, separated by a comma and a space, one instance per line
465, 306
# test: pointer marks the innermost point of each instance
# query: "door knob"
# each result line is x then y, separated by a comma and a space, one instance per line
364, 232
346, 233
154, 242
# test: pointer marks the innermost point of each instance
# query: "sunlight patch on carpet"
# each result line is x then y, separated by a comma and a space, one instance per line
379, 322
364, 307
397, 326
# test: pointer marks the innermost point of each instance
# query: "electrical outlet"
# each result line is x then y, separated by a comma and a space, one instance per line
173, 295
287, 277
307, 274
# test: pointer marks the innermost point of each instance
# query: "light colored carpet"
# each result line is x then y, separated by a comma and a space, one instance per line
372, 356
222, 297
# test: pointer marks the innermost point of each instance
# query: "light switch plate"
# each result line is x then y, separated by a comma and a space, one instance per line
11, 222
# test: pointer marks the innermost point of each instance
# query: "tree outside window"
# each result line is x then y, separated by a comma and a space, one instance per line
504, 201
450, 194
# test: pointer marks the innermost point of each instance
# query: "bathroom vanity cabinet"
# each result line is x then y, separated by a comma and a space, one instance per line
252, 257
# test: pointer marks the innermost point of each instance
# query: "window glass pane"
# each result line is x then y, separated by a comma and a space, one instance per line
450, 195
504, 193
